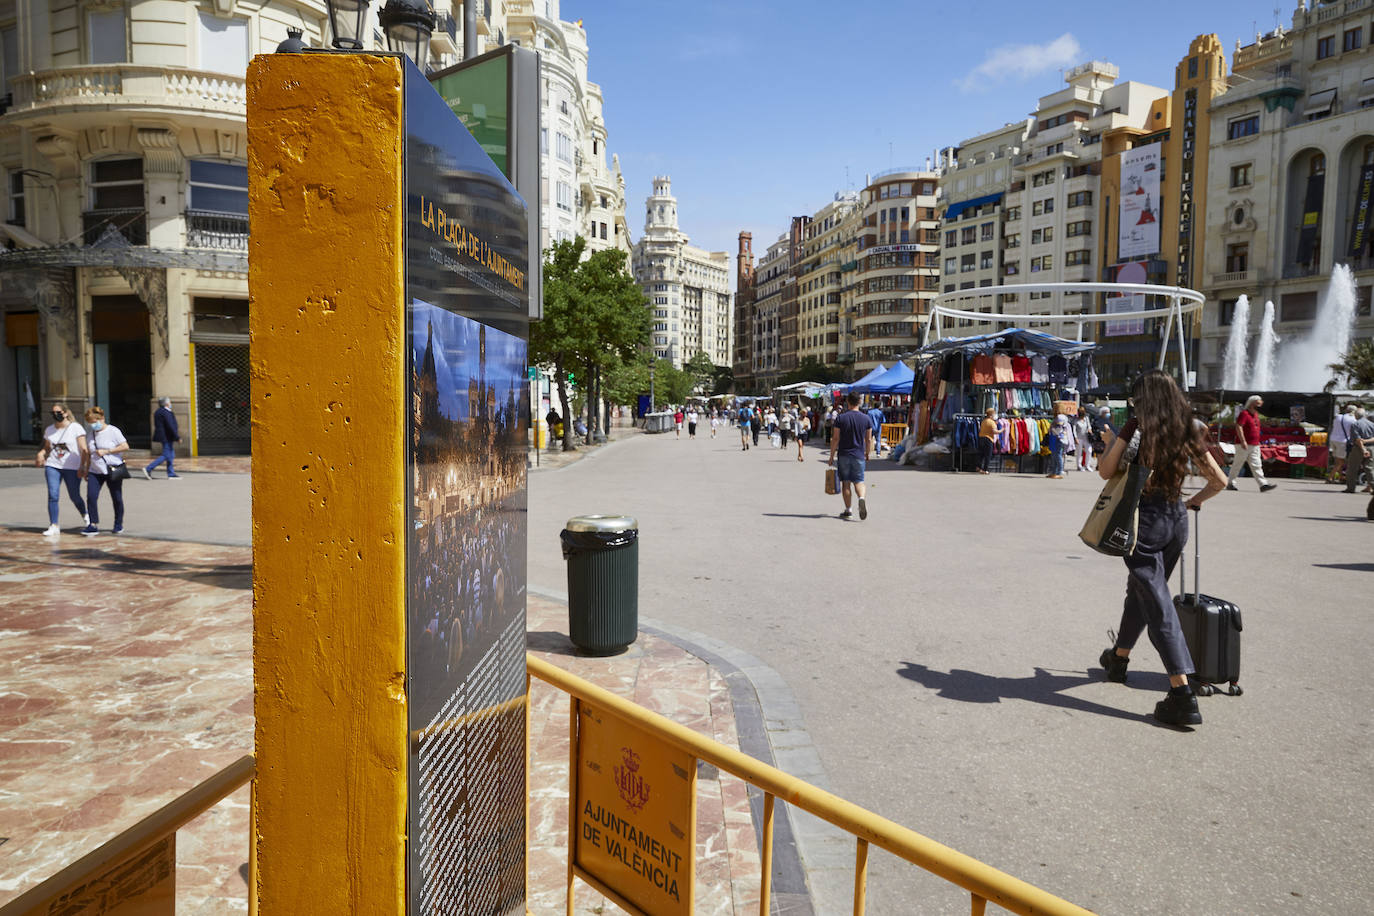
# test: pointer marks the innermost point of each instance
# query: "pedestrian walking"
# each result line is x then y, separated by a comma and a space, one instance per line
852, 442
715, 421
677, 421
1082, 435
785, 421
755, 424
164, 431
692, 423
803, 433
1359, 453
1102, 431
1248, 445
63, 458
1163, 437
745, 420
106, 469
1339, 436
877, 418
1057, 441
987, 436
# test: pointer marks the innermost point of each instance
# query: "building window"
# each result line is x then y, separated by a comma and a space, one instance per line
1226, 312
951, 238
1044, 262
985, 262
1042, 235
1241, 175
1352, 40
1040, 179
969, 235
1041, 207
967, 263
221, 187
1080, 199
987, 232
1013, 213
564, 198
564, 147
1013, 241
1237, 257
117, 184
1076, 258
106, 41
223, 44
544, 140
951, 265
15, 214
1242, 127
1326, 47
9, 56
1076, 229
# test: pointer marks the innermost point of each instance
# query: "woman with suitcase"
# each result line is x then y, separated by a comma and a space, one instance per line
1162, 436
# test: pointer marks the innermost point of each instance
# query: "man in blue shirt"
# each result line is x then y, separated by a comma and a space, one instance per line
852, 441
744, 420
877, 418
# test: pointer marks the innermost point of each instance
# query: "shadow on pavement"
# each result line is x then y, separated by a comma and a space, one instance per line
1353, 567
550, 641
1043, 687
238, 576
1328, 518
798, 515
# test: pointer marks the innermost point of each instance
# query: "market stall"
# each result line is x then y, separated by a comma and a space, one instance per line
1293, 425
1027, 376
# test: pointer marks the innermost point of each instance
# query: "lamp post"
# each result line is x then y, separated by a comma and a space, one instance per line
408, 25
346, 19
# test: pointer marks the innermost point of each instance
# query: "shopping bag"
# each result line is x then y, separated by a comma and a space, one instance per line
1113, 520
831, 486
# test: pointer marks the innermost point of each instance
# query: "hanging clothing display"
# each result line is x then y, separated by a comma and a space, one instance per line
1040, 370
981, 371
1001, 368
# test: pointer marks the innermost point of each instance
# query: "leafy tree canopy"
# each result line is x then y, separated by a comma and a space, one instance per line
1356, 367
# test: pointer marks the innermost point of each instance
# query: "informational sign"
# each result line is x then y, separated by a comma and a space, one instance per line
466, 333
142, 885
1311, 219
1118, 304
496, 96
1138, 225
635, 827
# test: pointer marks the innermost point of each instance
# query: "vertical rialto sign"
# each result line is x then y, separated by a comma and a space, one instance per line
466, 301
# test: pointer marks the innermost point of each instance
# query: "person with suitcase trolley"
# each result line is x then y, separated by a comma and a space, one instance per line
1163, 437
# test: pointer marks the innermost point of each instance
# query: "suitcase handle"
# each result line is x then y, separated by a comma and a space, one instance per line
1183, 567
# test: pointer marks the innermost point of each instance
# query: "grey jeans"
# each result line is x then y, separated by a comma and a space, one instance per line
1149, 604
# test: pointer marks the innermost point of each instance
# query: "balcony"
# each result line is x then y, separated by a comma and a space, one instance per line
1235, 278
445, 37
96, 88
213, 229
132, 224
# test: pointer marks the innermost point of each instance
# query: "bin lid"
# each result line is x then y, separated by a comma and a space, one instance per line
603, 523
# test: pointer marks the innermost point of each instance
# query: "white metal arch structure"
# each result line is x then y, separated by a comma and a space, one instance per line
1182, 301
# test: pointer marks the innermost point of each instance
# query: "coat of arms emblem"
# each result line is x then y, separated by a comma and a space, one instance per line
634, 791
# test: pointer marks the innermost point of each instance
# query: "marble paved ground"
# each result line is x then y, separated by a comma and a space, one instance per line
125, 679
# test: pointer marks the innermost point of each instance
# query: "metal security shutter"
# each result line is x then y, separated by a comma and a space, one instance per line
222, 400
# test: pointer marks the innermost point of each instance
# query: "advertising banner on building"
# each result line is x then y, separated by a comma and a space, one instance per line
635, 825
1118, 304
466, 333
1310, 229
1138, 221
1360, 233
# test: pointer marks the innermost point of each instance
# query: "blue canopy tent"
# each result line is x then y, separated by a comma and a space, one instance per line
1034, 341
855, 386
896, 380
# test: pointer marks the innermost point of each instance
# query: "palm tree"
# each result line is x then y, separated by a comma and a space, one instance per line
1356, 367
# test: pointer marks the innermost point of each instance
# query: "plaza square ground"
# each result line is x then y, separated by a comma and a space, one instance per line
939, 664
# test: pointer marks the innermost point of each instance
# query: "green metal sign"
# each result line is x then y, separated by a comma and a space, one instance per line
479, 95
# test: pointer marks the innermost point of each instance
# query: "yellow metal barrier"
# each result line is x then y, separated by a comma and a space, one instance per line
893, 434
142, 836
983, 882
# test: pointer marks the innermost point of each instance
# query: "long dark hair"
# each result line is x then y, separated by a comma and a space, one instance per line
1168, 435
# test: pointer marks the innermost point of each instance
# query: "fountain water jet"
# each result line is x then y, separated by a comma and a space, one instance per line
1237, 357
1302, 364
1263, 377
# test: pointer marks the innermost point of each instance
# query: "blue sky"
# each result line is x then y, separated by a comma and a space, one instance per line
762, 110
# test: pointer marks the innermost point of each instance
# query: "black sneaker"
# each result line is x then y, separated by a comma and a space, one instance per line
1268, 486
846, 514
1114, 665
1179, 707
1231, 486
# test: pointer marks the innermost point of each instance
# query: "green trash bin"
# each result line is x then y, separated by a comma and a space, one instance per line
602, 553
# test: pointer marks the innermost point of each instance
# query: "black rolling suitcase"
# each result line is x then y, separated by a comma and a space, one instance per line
1211, 628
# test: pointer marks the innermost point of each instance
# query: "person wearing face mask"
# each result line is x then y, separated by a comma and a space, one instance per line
64, 459
106, 469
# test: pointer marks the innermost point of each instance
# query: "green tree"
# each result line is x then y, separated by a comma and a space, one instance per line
813, 370
722, 380
701, 369
671, 384
595, 317
1356, 367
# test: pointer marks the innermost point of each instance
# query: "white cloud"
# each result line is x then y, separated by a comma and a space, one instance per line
1021, 62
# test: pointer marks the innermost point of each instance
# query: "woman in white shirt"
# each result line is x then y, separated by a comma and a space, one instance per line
63, 458
106, 468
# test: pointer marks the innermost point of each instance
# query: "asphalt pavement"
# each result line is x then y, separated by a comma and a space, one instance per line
943, 655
